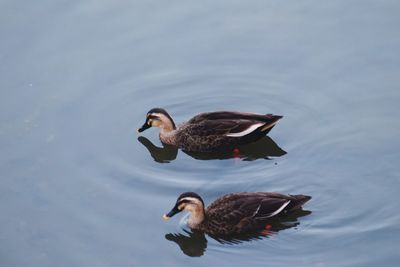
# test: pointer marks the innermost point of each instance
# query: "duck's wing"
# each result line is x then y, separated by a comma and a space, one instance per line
272, 204
234, 207
226, 213
233, 128
231, 124
232, 115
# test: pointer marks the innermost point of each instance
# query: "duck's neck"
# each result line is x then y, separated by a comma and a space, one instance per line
197, 217
167, 132
167, 124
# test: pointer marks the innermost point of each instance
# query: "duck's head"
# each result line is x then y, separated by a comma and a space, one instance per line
190, 202
158, 117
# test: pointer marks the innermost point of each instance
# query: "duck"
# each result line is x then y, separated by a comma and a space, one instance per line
210, 131
235, 213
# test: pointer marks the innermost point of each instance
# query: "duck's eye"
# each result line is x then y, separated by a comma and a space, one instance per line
183, 203
153, 117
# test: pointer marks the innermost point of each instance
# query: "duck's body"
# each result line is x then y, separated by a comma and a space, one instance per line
212, 130
237, 213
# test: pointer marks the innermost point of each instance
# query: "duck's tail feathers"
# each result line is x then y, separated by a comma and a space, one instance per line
273, 119
299, 201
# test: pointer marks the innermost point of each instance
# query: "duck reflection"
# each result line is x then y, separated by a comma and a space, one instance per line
261, 149
194, 244
164, 154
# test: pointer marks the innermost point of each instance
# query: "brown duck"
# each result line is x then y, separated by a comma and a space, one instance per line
236, 213
212, 130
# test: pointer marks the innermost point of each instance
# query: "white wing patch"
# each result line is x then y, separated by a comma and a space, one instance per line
247, 131
275, 212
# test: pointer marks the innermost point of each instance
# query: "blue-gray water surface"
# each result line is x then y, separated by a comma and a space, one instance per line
78, 187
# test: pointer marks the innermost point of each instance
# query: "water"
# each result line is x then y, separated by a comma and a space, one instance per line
78, 188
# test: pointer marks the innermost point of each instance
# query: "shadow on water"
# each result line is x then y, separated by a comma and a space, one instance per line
261, 149
194, 244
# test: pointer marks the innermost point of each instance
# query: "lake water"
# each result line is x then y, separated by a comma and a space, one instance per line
79, 188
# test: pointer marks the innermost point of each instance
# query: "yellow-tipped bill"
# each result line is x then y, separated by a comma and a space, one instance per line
165, 217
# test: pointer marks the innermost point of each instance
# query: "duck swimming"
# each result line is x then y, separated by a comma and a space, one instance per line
212, 130
236, 213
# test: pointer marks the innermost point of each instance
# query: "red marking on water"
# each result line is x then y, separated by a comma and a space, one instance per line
267, 227
236, 151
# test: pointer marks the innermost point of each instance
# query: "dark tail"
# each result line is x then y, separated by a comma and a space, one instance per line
270, 123
299, 202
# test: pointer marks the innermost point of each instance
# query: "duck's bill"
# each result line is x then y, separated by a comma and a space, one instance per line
143, 128
174, 211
